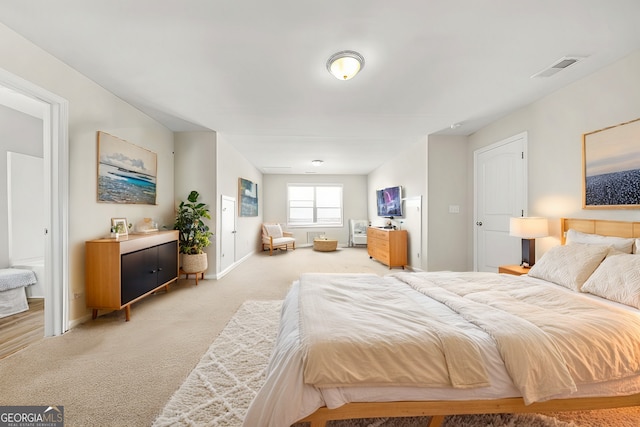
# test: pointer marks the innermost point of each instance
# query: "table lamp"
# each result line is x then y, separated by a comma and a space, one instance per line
528, 228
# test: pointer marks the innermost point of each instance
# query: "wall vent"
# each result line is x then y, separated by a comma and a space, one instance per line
313, 235
559, 65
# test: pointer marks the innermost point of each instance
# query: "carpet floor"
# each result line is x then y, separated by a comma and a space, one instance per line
219, 390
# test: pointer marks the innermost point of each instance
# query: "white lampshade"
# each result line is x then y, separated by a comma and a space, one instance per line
345, 65
528, 227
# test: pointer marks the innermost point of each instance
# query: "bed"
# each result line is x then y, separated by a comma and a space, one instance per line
447, 343
13, 283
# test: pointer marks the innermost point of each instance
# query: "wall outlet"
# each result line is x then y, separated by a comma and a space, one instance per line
454, 209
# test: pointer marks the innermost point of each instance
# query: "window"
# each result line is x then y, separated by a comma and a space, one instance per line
314, 205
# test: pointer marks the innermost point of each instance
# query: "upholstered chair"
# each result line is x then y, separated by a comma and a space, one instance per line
273, 237
358, 232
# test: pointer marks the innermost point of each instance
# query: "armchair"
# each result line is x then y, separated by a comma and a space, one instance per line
273, 237
358, 232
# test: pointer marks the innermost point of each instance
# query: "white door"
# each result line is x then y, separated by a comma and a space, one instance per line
500, 193
227, 233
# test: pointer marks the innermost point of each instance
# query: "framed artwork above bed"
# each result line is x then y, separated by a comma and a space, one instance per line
611, 167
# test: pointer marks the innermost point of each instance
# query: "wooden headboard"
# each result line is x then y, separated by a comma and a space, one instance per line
599, 226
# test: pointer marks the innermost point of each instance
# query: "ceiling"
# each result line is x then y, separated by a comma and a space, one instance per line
255, 70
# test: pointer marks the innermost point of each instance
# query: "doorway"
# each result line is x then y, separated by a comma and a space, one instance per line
500, 193
56, 195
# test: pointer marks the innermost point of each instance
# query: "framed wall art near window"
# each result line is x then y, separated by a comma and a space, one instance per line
248, 196
126, 173
611, 167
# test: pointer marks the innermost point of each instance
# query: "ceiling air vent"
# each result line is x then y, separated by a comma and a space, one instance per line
559, 65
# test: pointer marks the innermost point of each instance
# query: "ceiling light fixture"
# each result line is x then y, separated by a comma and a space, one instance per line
316, 162
345, 65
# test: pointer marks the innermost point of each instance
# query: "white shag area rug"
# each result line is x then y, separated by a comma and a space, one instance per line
219, 390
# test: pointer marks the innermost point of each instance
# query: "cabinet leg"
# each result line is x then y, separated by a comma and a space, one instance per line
94, 314
127, 313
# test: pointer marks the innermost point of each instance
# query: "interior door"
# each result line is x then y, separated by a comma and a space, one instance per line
227, 233
500, 193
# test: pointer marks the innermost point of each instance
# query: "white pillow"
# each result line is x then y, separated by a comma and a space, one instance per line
636, 247
569, 265
620, 243
273, 230
617, 279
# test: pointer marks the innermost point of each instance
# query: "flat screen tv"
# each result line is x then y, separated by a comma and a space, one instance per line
389, 202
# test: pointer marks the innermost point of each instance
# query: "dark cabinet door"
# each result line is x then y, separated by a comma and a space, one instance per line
167, 262
138, 274
145, 270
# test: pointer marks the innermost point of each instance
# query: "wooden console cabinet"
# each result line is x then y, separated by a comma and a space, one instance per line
119, 272
387, 246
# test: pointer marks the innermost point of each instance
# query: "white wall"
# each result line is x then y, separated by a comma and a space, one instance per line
408, 169
232, 166
195, 169
91, 109
354, 197
555, 125
448, 174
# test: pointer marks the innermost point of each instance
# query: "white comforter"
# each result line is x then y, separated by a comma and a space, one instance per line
286, 398
12, 278
378, 334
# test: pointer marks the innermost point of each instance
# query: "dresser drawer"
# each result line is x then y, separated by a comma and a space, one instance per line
376, 233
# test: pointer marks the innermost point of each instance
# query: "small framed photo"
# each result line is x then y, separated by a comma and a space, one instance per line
120, 226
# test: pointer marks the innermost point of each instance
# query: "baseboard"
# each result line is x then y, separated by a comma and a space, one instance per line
229, 269
75, 322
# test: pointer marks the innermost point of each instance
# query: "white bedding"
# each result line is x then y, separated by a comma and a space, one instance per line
13, 298
285, 398
11, 278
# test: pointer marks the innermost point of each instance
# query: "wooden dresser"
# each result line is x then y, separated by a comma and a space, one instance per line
387, 246
119, 272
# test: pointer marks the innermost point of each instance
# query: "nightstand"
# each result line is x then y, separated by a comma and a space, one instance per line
516, 270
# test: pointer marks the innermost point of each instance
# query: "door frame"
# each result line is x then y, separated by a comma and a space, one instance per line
525, 183
56, 169
224, 198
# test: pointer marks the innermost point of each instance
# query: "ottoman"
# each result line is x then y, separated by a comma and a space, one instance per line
325, 245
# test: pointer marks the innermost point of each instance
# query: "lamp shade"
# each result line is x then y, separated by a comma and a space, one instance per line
528, 227
345, 65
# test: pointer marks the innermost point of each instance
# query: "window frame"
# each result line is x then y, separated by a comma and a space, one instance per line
315, 207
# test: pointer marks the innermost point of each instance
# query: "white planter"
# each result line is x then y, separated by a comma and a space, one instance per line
194, 263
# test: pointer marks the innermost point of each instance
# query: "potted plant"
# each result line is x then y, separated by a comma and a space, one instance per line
193, 233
